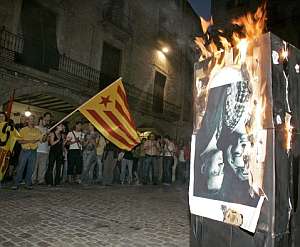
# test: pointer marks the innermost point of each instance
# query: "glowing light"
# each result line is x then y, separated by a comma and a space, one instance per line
288, 130
243, 47
285, 54
165, 50
27, 113
161, 56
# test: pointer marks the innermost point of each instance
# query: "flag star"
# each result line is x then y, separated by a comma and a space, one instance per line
105, 101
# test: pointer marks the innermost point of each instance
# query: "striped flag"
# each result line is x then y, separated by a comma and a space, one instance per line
108, 111
8, 139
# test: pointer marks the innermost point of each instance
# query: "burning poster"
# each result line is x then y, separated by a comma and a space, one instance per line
232, 116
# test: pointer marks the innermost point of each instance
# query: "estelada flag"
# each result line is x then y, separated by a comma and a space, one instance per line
108, 111
8, 138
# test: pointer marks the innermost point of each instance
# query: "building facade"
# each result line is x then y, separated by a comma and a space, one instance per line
283, 16
57, 54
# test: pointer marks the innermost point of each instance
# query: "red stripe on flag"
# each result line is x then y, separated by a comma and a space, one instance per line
117, 122
123, 96
121, 111
101, 121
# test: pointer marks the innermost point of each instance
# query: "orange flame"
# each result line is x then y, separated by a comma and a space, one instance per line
288, 128
253, 25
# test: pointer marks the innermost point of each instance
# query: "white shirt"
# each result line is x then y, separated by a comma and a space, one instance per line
71, 137
169, 148
43, 147
181, 155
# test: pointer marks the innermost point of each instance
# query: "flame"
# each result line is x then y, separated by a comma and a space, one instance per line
288, 128
206, 24
252, 26
243, 48
284, 52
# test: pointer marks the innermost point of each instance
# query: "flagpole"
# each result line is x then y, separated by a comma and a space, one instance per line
70, 114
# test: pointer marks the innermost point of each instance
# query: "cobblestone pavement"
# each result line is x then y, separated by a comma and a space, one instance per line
94, 216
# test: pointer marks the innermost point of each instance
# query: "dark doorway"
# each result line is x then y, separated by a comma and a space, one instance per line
110, 65
158, 92
39, 31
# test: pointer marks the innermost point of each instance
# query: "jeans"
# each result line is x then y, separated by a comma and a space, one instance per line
40, 168
126, 164
74, 162
167, 169
140, 169
26, 157
57, 159
108, 168
89, 163
99, 168
150, 163
181, 172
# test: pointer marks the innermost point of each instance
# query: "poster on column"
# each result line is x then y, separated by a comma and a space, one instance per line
229, 142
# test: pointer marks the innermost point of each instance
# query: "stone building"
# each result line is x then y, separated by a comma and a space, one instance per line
283, 16
57, 54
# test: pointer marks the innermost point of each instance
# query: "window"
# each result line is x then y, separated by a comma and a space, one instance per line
110, 65
39, 31
158, 92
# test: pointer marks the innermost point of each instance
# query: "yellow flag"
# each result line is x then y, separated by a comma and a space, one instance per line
108, 111
8, 139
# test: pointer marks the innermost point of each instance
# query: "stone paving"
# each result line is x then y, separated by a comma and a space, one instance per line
95, 216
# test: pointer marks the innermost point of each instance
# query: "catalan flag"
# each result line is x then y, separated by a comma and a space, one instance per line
108, 111
8, 139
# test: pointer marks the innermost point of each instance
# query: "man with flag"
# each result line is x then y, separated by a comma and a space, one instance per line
8, 137
109, 112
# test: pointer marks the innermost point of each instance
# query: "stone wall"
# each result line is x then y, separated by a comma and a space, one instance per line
81, 32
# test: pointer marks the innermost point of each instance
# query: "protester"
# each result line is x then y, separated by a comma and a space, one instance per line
55, 156
42, 155
2, 117
110, 157
181, 168
74, 140
126, 163
89, 154
30, 138
65, 152
100, 145
160, 157
168, 159
47, 116
152, 149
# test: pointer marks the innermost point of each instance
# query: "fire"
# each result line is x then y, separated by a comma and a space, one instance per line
239, 52
288, 128
252, 26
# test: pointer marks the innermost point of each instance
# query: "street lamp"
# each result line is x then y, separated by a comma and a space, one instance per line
165, 49
27, 113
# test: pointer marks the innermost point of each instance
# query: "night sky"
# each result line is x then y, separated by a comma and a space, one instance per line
202, 7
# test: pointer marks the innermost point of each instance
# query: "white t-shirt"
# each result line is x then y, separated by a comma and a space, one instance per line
71, 138
181, 155
43, 147
169, 148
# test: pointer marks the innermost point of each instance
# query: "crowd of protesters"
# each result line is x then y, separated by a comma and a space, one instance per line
82, 155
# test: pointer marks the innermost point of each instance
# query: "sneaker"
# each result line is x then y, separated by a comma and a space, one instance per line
28, 187
15, 187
